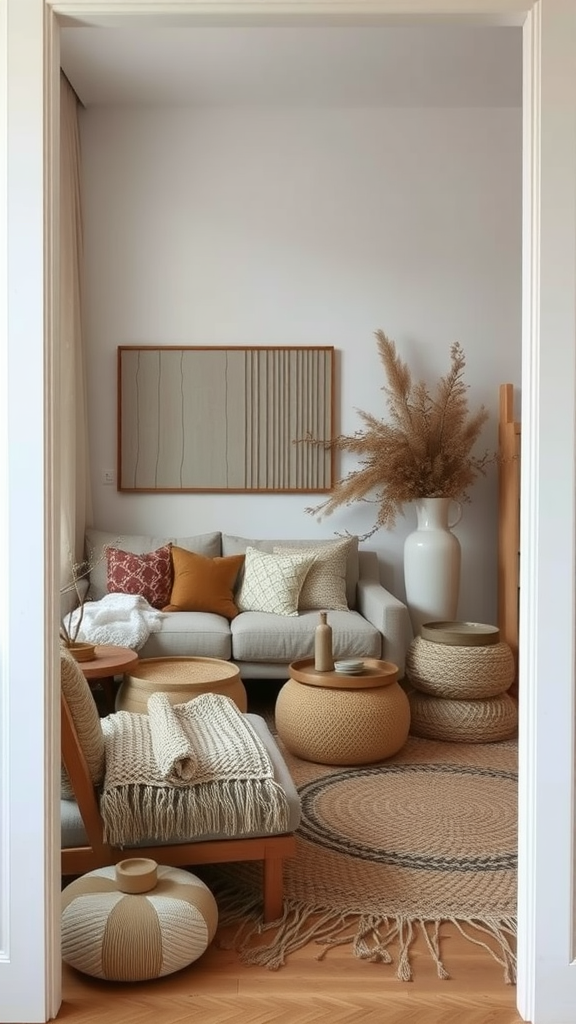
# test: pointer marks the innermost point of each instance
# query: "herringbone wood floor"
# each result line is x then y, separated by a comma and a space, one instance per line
219, 989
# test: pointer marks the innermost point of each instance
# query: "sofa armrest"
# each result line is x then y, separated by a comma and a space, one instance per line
390, 616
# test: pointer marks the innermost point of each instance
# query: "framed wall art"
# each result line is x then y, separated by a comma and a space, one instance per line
224, 419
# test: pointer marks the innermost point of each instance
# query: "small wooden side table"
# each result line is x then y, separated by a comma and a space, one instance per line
110, 661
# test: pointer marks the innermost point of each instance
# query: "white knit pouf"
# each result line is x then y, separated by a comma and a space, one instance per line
136, 921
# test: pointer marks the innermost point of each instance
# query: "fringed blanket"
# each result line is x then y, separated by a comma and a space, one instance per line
185, 772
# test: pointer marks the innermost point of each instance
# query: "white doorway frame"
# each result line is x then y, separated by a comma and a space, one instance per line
30, 971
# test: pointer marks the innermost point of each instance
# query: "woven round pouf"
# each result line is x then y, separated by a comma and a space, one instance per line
461, 672
136, 921
463, 721
181, 679
344, 725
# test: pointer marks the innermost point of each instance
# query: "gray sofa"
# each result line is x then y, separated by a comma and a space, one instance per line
261, 644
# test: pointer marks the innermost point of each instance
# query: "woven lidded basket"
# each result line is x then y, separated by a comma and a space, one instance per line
463, 721
459, 672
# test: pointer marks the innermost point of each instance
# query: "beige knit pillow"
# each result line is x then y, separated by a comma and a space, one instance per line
86, 721
272, 583
325, 584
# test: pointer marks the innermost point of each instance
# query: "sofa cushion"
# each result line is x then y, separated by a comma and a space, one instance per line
233, 545
272, 583
325, 583
203, 584
190, 634
96, 542
86, 720
149, 575
257, 636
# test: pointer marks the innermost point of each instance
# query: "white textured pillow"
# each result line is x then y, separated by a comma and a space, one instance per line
325, 584
272, 583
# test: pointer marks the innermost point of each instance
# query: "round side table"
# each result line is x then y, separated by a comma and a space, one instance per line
109, 661
331, 718
181, 679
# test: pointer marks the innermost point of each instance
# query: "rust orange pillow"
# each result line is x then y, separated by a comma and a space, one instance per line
149, 575
203, 584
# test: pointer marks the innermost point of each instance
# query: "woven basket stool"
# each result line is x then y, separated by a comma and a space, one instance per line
459, 672
136, 921
463, 721
181, 679
345, 723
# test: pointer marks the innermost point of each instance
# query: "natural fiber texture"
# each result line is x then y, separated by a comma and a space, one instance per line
463, 721
172, 746
120, 937
181, 679
465, 673
78, 695
232, 793
345, 727
387, 851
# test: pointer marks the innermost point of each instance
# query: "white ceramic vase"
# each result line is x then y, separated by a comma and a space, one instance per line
432, 563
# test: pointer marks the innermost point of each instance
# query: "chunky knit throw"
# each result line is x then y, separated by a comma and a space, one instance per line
186, 772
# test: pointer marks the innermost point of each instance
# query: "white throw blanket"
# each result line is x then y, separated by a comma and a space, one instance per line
213, 775
123, 619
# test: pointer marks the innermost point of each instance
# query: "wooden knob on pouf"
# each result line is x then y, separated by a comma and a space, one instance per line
136, 875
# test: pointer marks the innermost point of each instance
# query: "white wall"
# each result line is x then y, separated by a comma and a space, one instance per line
296, 227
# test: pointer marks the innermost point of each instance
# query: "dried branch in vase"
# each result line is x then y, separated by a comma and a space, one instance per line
424, 450
79, 572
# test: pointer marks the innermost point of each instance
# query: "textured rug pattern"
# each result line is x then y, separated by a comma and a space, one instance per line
386, 850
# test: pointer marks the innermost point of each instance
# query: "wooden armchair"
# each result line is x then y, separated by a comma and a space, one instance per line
92, 851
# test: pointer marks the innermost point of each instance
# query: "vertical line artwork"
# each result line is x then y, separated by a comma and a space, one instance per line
226, 451
247, 435
224, 419
285, 389
256, 421
317, 403
159, 413
276, 428
137, 458
299, 455
182, 427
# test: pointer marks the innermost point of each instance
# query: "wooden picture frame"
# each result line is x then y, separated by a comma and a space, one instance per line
217, 419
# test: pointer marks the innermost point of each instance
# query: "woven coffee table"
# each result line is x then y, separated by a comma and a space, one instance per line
181, 679
330, 718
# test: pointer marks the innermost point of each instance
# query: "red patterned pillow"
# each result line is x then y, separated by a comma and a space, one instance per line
149, 575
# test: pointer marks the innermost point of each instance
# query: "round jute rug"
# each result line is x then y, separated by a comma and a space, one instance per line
386, 850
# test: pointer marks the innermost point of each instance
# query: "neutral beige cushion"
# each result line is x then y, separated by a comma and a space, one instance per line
232, 545
259, 638
325, 584
272, 583
86, 721
188, 635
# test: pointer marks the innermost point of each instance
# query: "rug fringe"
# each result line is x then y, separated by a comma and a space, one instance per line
370, 936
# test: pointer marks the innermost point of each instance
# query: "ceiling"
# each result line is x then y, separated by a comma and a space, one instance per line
432, 66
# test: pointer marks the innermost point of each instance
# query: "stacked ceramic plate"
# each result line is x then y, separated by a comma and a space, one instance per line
350, 667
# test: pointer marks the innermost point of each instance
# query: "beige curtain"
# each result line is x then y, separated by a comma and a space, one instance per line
75, 478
